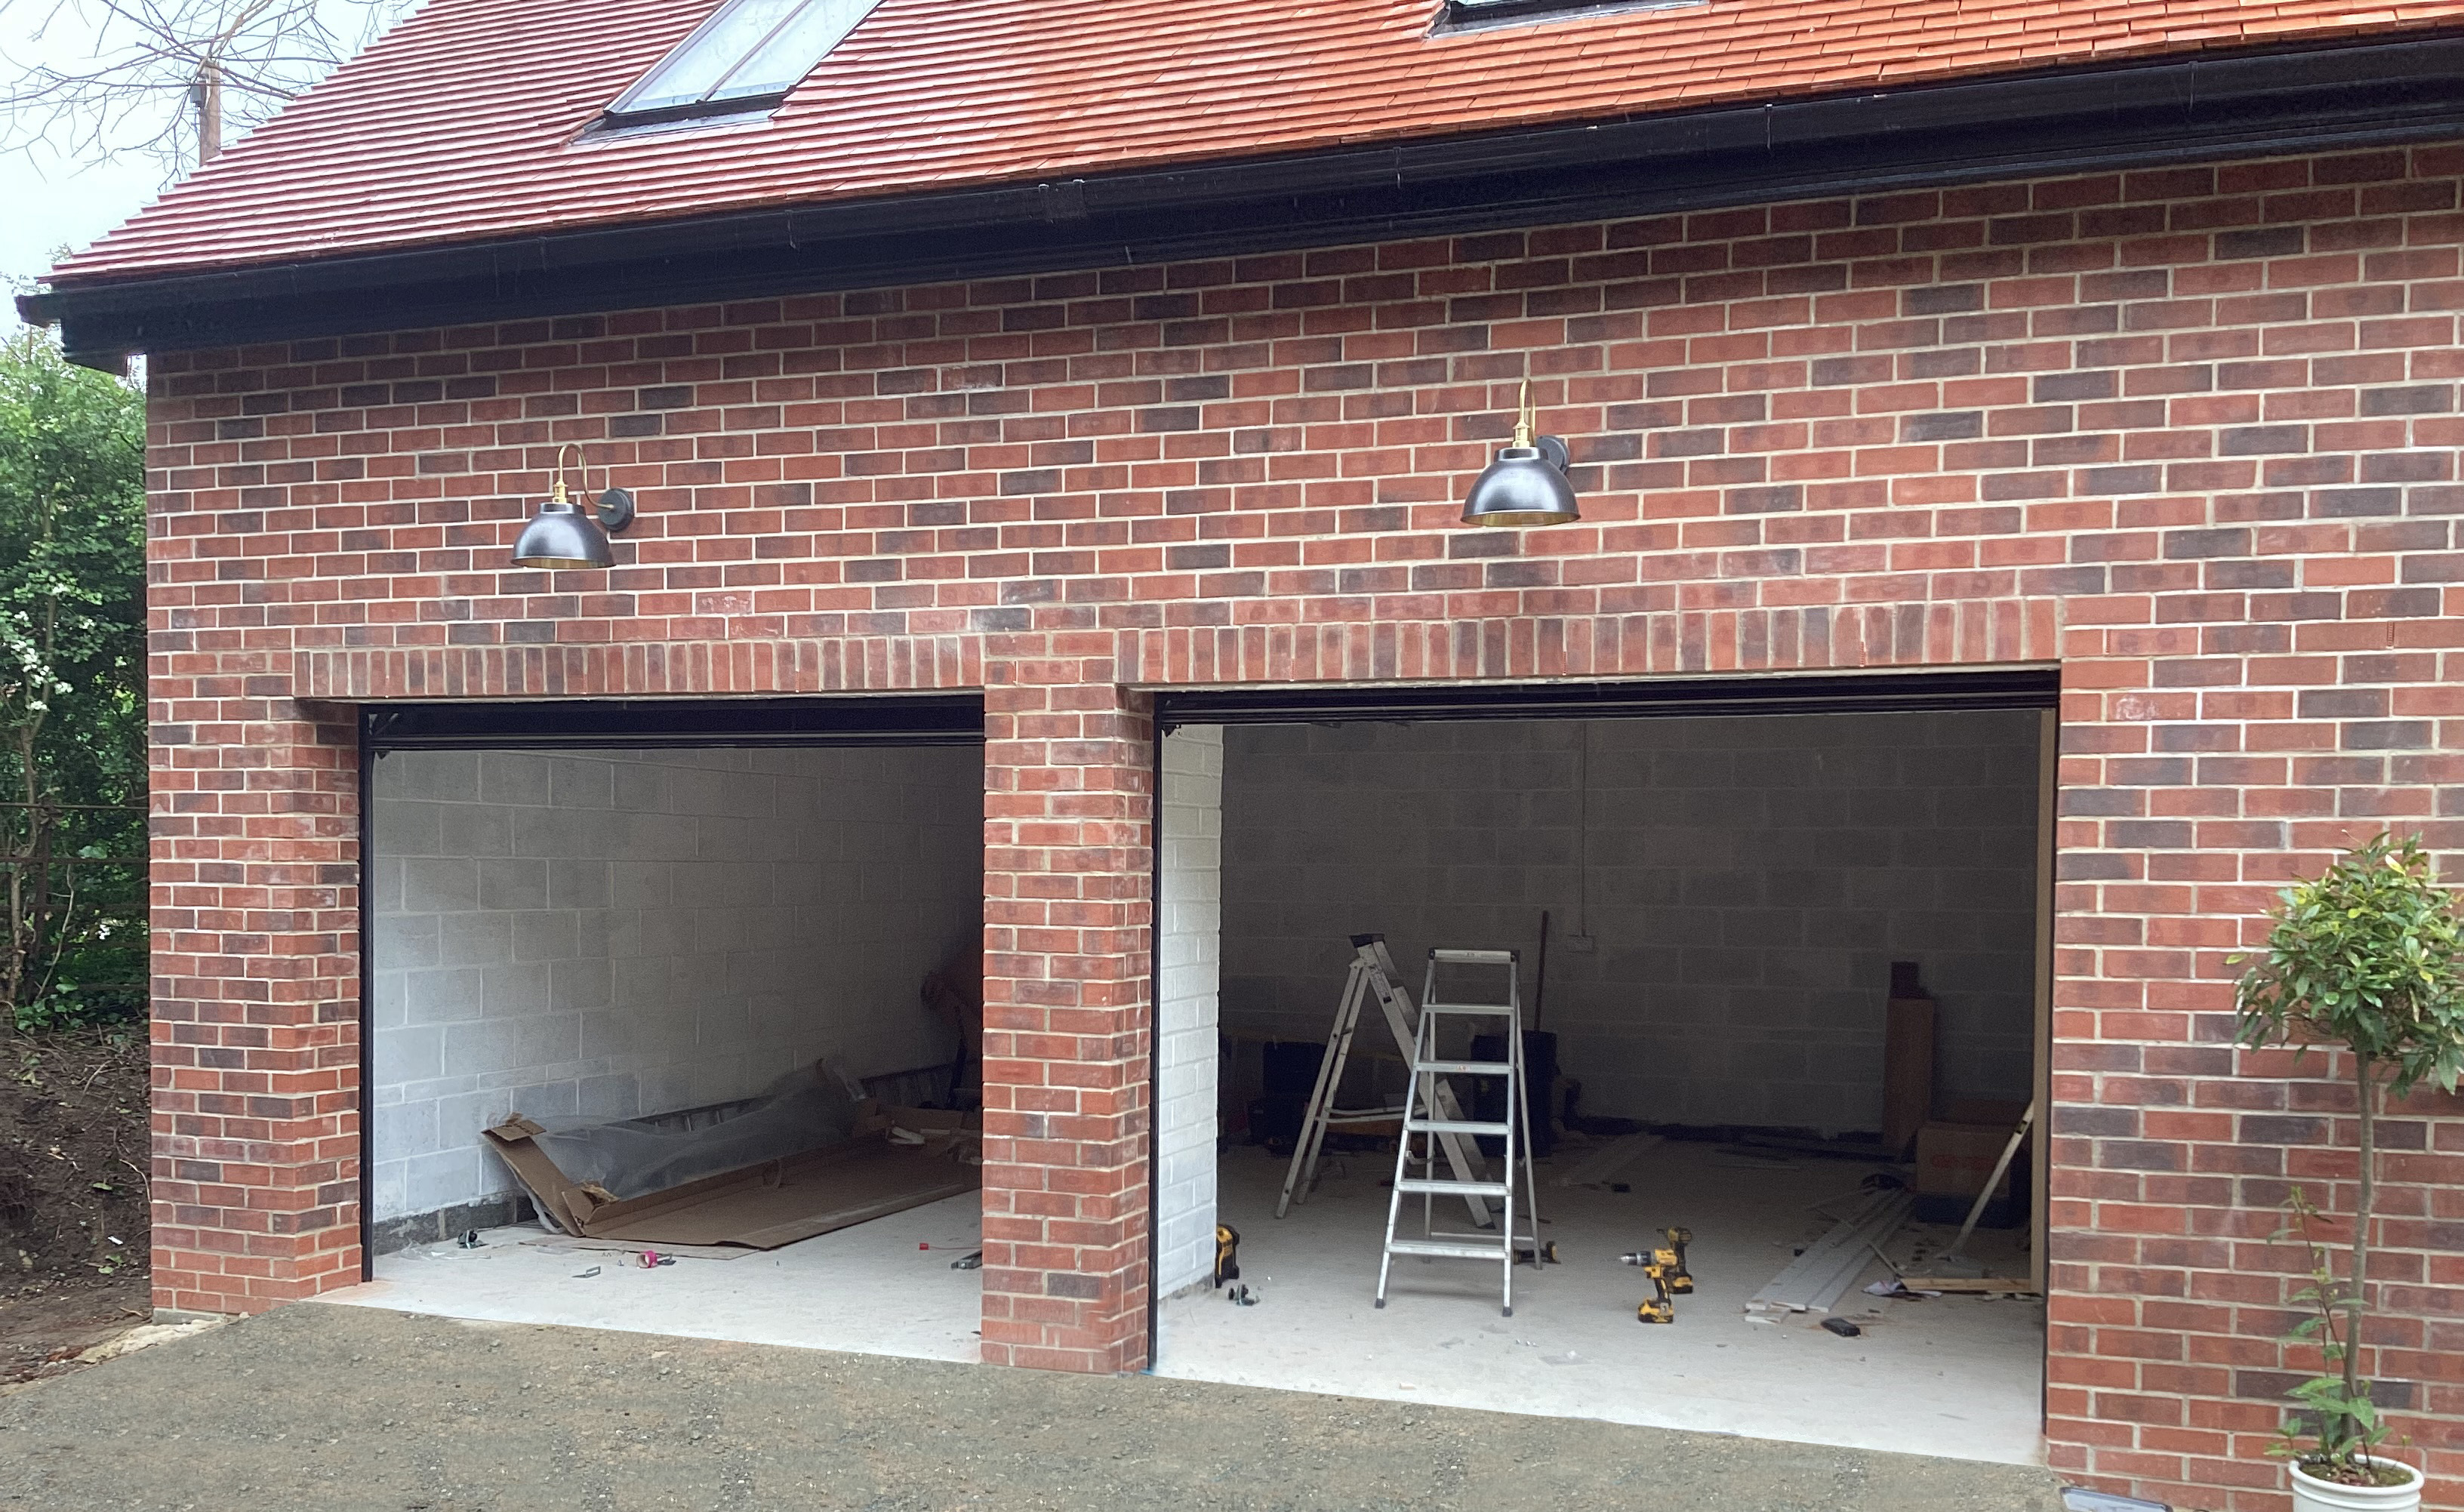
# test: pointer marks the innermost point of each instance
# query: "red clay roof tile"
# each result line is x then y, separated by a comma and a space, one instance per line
461, 124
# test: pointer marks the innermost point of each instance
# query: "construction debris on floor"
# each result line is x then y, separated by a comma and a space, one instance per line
1814, 1280
1962, 1372
808, 1159
1965, 1380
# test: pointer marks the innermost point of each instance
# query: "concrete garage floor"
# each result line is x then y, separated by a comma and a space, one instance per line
865, 1289
1955, 1376
355, 1410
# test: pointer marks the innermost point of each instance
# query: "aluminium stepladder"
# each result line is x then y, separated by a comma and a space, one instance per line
1371, 975
1426, 1121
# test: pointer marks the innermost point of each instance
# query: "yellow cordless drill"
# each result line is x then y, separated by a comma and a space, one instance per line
1657, 1308
1672, 1259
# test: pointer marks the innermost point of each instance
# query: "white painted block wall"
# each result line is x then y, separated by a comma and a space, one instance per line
1190, 945
618, 934
1745, 882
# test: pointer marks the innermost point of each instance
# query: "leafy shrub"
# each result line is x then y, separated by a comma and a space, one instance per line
2370, 956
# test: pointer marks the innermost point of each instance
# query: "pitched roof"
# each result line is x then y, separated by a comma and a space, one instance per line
462, 124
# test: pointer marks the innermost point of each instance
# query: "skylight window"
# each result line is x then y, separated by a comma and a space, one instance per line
744, 58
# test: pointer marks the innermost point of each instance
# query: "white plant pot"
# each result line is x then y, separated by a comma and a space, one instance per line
2313, 1495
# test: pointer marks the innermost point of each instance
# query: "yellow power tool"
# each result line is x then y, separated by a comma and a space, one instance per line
1672, 1259
1658, 1308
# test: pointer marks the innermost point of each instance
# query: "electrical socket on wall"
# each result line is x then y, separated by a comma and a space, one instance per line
1579, 944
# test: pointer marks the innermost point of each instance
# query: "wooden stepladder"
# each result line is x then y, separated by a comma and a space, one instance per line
1372, 975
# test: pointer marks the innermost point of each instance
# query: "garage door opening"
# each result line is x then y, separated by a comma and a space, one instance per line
1733, 901
707, 988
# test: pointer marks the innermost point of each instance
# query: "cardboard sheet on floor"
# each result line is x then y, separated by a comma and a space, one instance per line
871, 1176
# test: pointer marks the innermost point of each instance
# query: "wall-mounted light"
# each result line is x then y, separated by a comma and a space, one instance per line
567, 535
1526, 484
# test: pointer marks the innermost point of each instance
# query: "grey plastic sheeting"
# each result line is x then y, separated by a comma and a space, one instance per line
805, 1110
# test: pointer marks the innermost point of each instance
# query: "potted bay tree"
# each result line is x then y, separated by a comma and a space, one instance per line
2369, 958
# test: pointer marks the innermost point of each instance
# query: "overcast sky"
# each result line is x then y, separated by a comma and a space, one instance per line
46, 203
52, 204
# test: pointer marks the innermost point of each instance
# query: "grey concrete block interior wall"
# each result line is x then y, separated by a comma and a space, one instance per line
1744, 882
616, 933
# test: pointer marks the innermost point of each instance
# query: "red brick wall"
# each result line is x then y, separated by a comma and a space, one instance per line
1069, 1030
2190, 432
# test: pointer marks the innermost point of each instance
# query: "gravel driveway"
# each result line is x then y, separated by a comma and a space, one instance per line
321, 1408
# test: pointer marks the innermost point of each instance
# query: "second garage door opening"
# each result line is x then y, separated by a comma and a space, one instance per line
1731, 904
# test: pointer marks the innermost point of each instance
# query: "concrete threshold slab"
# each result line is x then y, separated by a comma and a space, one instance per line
867, 1288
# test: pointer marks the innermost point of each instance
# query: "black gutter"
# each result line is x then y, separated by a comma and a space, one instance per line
2076, 121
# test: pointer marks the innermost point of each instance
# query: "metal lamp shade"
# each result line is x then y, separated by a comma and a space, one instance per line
562, 536
1523, 487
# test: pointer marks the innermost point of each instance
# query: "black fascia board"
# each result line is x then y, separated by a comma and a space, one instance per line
2043, 123
842, 719
1655, 697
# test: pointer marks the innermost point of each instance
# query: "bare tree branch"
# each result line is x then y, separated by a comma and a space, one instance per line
133, 89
